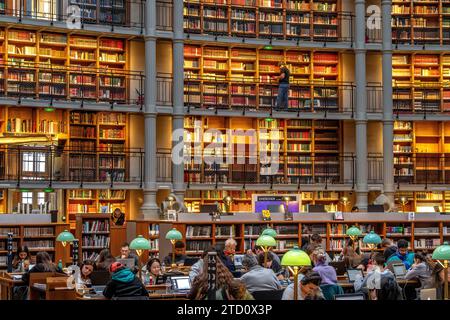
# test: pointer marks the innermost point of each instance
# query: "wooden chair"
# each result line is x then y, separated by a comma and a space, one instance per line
38, 278
57, 289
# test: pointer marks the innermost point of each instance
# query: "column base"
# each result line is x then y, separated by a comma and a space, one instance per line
361, 200
149, 209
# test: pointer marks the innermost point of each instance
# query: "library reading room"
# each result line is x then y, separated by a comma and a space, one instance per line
224, 150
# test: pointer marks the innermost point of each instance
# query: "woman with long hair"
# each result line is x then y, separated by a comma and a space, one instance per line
22, 259
104, 260
224, 279
43, 264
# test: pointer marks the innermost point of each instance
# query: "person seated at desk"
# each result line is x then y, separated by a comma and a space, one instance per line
352, 257
197, 268
436, 280
388, 248
179, 256
230, 248
380, 283
316, 241
258, 278
123, 283
402, 255
258, 250
21, 260
225, 286
419, 270
125, 253
153, 268
326, 272
43, 264
271, 263
308, 288
239, 291
104, 260
87, 267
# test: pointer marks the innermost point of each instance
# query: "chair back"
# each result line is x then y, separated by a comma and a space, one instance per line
57, 289
37, 278
330, 290
268, 294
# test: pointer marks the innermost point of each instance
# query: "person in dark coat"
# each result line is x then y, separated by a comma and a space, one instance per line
123, 283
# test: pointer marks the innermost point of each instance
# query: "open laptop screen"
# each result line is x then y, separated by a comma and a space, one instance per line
399, 269
352, 273
181, 283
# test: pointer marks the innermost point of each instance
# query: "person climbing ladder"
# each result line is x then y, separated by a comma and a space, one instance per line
283, 88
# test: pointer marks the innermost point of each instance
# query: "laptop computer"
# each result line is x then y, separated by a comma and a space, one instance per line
339, 266
100, 278
181, 284
399, 270
238, 261
352, 274
128, 263
350, 296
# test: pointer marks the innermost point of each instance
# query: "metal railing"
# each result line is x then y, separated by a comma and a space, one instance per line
252, 95
164, 165
164, 15
76, 13
164, 89
73, 83
321, 168
423, 168
428, 98
26, 164
375, 168
217, 21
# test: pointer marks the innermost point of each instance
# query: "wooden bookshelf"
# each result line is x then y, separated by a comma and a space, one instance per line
421, 149
150, 231
421, 22
424, 201
283, 19
224, 77
86, 201
243, 199
61, 66
113, 12
421, 235
97, 146
94, 234
307, 151
38, 237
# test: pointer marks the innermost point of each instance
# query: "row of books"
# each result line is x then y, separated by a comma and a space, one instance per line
111, 194
39, 244
77, 161
96, 241
81, 208
3, 247
80, 194
197, 231
199, 246
4, 231
83, 132
112, 133
38, 231
96, 226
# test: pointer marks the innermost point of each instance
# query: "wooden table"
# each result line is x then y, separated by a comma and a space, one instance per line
152, 296
401, 282
7, 283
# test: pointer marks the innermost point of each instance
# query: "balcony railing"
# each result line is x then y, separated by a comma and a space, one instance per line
164, 15
422, 168
424, 98
249, 21
322, 168
304, 96
57, 83
164, 165
76, 13
164, 89
24, 164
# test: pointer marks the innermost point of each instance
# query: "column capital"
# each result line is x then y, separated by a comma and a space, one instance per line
362, 50
361, 121
178, 40
177, 115
360, 2
149, 37
150, 114
385, 2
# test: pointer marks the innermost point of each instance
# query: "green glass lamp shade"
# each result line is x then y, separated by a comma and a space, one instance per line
65, 236
372, 238
442, 252
296, 258
140, 243
269, 232
266, 241
174, 234
353, 232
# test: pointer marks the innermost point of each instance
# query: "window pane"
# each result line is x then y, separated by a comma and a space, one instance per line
27, 197
41, 197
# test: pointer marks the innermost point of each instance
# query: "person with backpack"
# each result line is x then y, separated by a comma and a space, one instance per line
380, 283
124, 284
